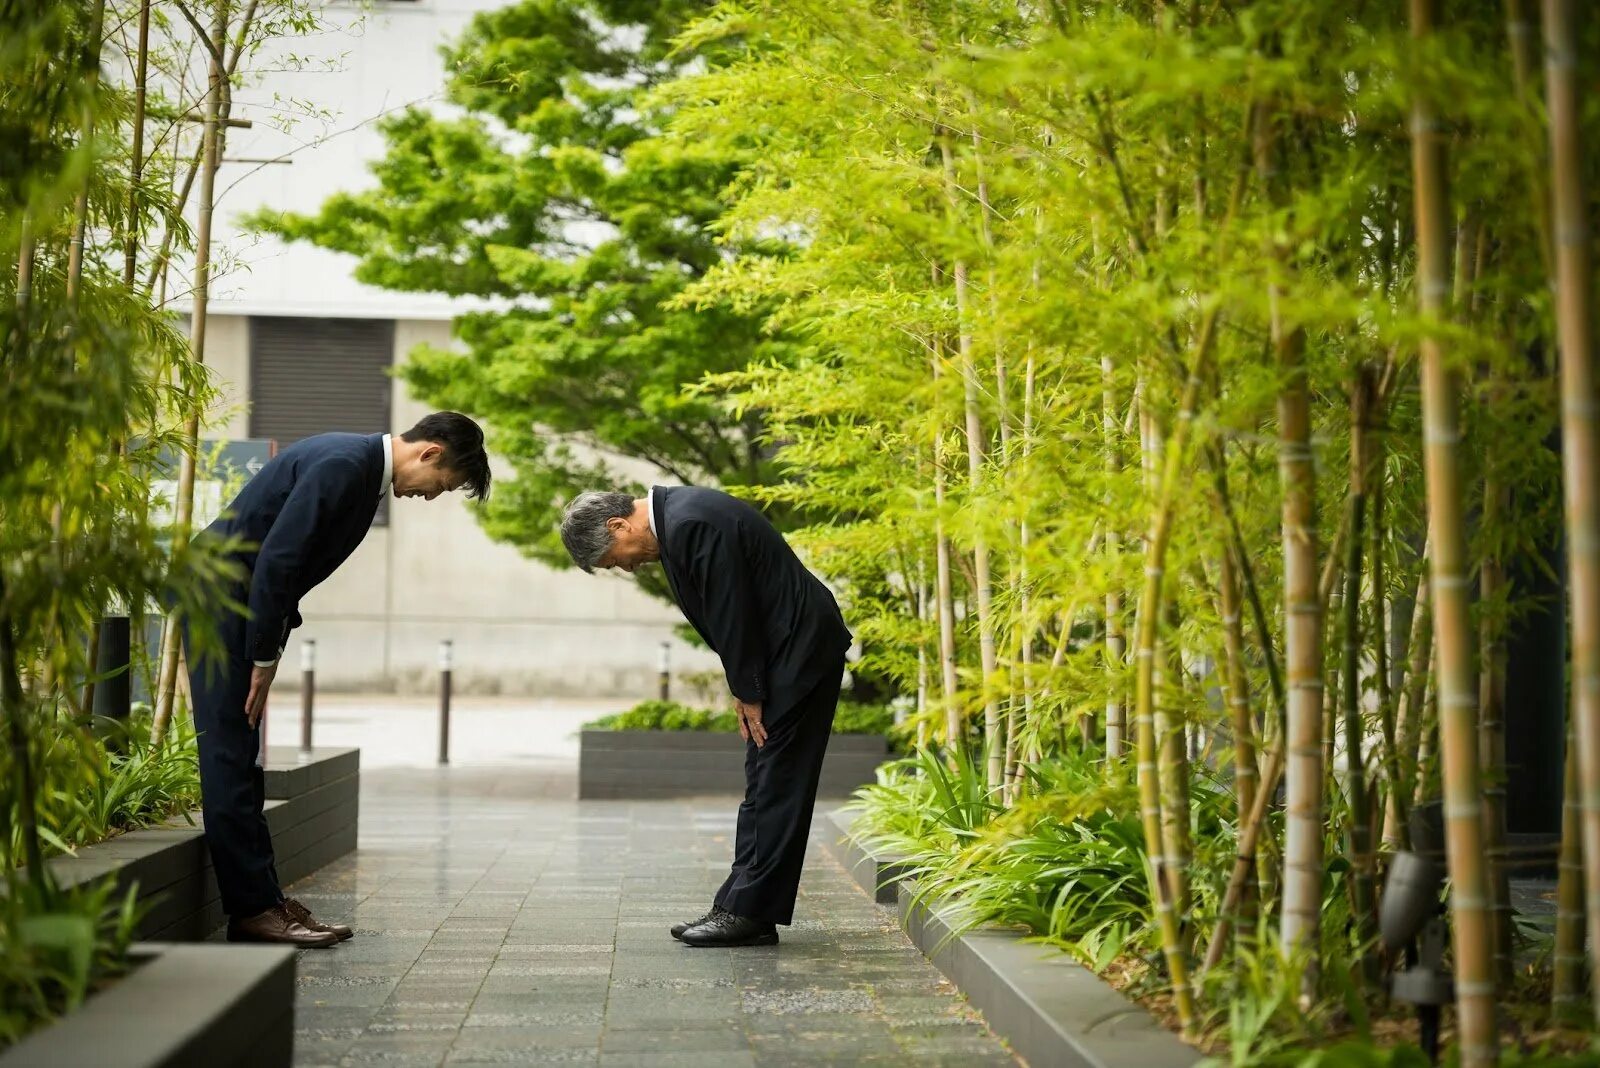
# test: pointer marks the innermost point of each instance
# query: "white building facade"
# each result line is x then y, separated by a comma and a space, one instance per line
298, 346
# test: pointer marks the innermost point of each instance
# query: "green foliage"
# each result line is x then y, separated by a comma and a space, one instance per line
654, 715
97, 782
58, 947
857, 717
552, 191
664, 716
96, 382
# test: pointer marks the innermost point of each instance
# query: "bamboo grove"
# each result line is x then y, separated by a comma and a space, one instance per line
1182, 383
110, 113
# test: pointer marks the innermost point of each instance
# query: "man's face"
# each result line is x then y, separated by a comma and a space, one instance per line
426, 477
632, 544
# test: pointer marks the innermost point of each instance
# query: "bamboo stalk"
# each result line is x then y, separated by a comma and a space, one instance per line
944, 602
1409, 715
988, 656
1580, 438
1173, 775
1458, 728
1566, 988
1522, 36
1024, 591
1380, 625
1492, 583
1116, 644
141, 79
213, 112
15, 708
1244, 857
1363, 861
1302, 889
1236, 685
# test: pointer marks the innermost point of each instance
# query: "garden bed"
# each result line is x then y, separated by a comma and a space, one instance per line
312, 806
665, 763
220, 1006
1051, 1009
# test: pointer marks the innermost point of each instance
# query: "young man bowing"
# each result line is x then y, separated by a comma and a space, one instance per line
298, 519
782, 641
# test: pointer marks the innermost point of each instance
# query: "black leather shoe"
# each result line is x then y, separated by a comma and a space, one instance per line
679, 928
726, 929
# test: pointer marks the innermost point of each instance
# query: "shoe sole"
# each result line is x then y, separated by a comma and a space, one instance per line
282, 942
758, 940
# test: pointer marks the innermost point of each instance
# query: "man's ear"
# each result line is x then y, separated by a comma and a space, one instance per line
431, 453
616, 524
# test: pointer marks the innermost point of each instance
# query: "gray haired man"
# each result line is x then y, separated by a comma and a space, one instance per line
782, 641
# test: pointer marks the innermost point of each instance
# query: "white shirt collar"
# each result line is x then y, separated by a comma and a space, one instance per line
650, 511
388, 466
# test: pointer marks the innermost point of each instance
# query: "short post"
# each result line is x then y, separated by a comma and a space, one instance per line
446, 658
664, 671
308, 690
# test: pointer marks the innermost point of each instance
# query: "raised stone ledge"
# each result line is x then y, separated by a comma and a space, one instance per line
662, 764
220, 1006
1051, 1009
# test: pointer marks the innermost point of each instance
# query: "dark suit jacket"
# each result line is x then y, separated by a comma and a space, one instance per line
775, 625
301, 516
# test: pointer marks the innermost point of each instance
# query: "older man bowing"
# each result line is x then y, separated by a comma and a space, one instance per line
782, 642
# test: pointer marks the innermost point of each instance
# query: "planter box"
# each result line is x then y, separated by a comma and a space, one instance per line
216, 1005
655, 764
313, 802
1051, 1009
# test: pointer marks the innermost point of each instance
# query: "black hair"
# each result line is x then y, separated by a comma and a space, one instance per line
462, 440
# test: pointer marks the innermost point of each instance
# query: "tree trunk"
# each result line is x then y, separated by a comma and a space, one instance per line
1473, 934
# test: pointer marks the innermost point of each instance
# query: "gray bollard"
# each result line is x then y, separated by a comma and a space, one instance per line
308, 690
446, 658
664, 671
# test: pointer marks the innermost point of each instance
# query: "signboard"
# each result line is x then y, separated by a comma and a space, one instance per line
221, 470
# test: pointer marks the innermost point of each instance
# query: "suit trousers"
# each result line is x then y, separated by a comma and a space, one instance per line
232, 786
775, 817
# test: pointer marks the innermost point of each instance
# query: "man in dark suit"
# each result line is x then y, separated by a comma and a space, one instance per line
782, 641
297, 520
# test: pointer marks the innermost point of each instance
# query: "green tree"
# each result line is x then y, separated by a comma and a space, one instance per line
553, 196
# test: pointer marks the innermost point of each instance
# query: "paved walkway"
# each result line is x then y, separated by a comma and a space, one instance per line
499, 923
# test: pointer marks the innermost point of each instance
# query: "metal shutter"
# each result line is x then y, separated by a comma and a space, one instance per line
310, 376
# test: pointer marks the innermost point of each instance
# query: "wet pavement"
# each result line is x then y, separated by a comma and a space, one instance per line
499, 922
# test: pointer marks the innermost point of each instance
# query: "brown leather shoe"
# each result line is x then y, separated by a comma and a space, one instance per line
303, 914
276, 925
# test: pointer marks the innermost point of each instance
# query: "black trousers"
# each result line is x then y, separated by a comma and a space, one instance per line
232, 787
780, 790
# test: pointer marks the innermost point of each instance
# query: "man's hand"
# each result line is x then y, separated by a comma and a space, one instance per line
260, 683
750, 728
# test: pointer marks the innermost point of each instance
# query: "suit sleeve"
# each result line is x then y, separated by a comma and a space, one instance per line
721, 575
305, 519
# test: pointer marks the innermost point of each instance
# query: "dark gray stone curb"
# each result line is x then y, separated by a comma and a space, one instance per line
661, 764
1052, 1010
220, 1006
314, 802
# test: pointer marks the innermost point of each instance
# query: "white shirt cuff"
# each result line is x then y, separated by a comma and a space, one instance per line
266, 663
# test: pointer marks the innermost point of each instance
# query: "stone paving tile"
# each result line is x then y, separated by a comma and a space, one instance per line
500, 925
